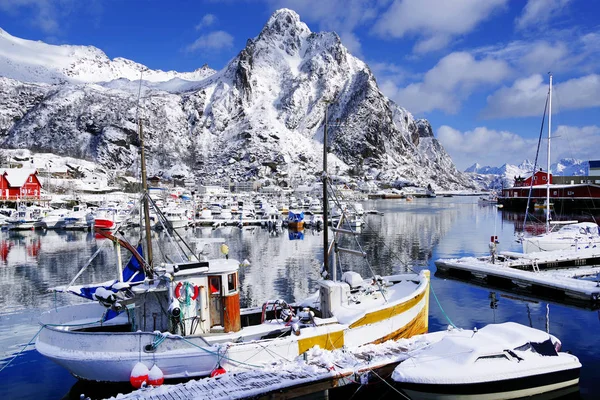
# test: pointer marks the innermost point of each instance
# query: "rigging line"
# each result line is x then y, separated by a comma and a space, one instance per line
23, 349
441, 308
391, 387
536, 161
160, 214
334, 195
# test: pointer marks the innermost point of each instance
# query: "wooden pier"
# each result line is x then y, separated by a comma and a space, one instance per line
568, 274
316, 372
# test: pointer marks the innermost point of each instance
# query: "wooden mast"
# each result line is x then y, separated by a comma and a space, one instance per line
149, 273
325, 202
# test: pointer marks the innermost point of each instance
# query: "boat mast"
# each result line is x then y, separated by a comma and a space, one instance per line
548, 166
145, 203
325, 202
150, 269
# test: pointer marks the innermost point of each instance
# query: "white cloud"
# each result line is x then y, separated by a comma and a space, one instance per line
43, 14
576, 142
538, 13
526, 97
434, 22
206, 21
448, 83
216, 40
483, 145
494, 148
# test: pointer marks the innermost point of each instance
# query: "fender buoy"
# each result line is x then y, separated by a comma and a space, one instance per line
156, 376
192, 291
139, 375
218, 371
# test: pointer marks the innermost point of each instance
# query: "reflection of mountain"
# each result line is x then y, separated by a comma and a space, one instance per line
281, 268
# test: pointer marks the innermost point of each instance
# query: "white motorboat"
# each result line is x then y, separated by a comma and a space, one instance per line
24, 218
499, 361
55, 219
573, 236
185, 318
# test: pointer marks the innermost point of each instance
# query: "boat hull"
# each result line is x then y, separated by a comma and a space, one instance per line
560, 382
111, 356
101, 223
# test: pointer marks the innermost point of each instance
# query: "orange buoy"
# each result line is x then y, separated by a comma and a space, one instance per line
139, 375
218, 371
156, 376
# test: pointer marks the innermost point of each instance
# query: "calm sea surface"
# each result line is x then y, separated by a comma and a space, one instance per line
408, 235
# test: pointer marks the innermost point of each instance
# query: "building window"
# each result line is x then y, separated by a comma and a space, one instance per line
569, 193
231, 283
543, 178
555, 193
30, 178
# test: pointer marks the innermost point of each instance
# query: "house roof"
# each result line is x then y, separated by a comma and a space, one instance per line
17, 177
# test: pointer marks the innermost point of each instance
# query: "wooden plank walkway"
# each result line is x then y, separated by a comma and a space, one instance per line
318, 371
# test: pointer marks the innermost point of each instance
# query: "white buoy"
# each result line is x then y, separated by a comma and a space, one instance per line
156, 376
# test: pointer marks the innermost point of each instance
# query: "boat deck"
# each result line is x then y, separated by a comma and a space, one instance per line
569, 273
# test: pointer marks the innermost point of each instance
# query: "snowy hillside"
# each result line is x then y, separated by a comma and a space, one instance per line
498, 177
260, 117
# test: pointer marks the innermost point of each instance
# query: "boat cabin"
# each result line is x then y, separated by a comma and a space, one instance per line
205, 299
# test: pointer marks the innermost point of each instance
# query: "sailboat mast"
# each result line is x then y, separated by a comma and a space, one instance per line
325, 202
145, 201
548, 166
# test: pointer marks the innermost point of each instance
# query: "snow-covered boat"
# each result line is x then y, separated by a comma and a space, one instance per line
500, 361
574, 236
185, 318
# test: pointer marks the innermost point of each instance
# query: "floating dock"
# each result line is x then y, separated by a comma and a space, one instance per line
568, 273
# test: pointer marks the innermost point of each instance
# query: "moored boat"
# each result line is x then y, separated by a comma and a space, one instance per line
499, 361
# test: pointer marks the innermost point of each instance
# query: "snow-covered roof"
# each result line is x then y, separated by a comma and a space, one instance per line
17, 177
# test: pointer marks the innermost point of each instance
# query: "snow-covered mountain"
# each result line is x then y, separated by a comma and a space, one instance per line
260, 117
498, 177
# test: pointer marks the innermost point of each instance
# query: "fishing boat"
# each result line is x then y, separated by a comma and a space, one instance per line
572, 235
498, 361
183, 317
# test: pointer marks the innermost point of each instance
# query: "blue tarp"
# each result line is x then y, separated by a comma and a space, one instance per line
293, 217
132, 273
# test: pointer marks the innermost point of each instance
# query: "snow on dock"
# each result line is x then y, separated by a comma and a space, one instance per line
561, 271
316, 371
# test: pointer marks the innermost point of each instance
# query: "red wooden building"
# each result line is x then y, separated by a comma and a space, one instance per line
19, 183
539, 178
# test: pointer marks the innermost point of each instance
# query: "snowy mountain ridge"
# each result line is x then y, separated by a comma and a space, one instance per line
260, 117
34, 61
503, 176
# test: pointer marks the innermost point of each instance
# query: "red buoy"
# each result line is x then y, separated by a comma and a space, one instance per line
156, 376
139, 375
218, 371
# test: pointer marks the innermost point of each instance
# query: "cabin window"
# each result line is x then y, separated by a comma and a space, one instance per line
231, 283
215, 284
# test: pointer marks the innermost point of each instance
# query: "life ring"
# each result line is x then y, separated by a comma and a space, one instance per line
189, 291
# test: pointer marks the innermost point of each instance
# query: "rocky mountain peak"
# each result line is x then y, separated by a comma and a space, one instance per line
261, 118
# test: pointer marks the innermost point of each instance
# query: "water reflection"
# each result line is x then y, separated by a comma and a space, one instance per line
408, 235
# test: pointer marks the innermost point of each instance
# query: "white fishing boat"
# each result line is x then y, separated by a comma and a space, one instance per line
499, 361
24, 218
571, 236
184, 317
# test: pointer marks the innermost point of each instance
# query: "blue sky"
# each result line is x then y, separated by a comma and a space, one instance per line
477, 69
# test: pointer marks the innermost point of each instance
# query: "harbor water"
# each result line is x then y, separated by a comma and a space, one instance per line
408, 236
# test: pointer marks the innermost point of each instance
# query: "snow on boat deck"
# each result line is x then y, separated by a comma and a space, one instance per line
537, 269
318, 371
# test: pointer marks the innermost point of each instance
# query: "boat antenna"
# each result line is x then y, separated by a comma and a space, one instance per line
149, 273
